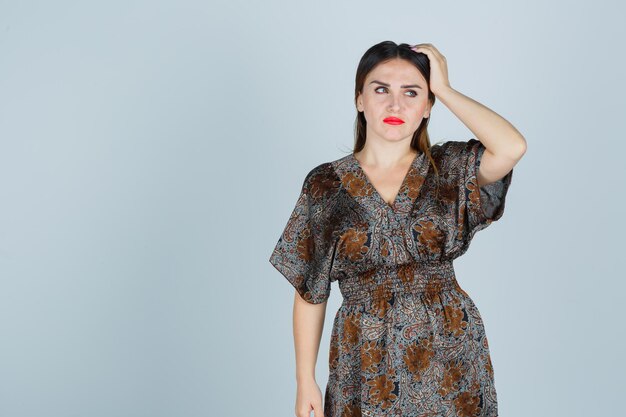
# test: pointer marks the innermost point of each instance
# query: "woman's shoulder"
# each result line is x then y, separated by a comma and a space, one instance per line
454, 153
327, 171
323, 180
454, 147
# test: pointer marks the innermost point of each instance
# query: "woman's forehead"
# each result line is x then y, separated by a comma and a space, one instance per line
397, 71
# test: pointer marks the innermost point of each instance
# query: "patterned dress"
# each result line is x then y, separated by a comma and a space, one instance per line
407, 340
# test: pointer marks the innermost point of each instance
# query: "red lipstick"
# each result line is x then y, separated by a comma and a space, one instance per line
393, 120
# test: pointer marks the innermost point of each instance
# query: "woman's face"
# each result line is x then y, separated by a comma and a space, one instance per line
394, 89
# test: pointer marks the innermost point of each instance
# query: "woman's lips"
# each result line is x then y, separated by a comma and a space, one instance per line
393, 120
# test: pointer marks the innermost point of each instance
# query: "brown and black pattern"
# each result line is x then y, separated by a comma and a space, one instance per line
407, 340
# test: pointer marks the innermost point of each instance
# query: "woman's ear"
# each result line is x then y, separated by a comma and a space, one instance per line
427, 110
359, 103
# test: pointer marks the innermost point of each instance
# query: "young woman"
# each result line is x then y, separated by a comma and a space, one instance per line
386, 222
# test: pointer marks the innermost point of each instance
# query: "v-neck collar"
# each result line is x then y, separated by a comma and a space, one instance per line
358, 185
375, 190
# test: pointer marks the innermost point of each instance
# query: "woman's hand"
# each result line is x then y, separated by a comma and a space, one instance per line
309, 398
438, 67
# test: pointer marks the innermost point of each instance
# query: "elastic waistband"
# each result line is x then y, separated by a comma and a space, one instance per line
418, 277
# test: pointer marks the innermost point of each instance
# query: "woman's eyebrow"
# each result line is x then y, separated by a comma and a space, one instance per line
402, 86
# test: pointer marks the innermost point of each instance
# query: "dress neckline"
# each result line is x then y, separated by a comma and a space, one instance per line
401, 190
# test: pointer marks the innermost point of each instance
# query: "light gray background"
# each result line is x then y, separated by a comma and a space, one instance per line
151, 153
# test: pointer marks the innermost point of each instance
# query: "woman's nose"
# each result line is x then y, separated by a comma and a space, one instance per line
394, 102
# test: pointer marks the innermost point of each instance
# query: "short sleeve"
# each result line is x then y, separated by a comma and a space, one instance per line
478, 206
301, 254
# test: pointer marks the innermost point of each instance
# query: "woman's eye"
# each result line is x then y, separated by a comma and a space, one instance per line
413, 92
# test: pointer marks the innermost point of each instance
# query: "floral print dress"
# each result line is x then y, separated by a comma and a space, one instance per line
407, 340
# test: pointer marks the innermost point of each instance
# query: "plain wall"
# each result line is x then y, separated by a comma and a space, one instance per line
151, 153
